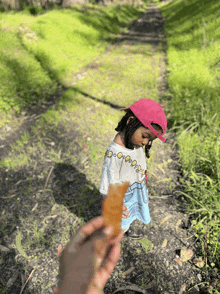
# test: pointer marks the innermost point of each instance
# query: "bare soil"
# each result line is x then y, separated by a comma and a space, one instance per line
54, 193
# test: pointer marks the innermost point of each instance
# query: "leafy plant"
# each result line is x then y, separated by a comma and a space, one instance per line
19, 246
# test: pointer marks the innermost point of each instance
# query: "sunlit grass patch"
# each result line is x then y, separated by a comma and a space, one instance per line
65, 52
23, 81
39, 52
192, 24
193, 54
15, 162
118, 76
10, 19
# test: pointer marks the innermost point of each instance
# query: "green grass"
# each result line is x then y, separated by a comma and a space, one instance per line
148, 245
192, 29
40, 53
76, 130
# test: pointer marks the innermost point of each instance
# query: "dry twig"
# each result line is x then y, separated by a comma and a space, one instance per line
156, 197
127, 272
48, 176
9, 197
132, 288
28, 279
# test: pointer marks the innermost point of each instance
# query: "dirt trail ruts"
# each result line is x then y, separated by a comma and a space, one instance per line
156, 269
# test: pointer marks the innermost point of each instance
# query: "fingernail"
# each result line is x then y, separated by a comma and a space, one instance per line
108, 230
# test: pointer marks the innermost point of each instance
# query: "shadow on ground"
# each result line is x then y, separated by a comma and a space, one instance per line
44, 202
71, 188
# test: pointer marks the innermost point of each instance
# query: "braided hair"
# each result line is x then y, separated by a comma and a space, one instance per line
129, 129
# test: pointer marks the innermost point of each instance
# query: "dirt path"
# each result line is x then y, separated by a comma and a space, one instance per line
52, 188
153, 267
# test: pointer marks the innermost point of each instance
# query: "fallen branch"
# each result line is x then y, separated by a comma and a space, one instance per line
20, 182
72, 206
28, 279
48, 176
167, 196
132, 288
59, 154
84, 161
9, 197
127, 272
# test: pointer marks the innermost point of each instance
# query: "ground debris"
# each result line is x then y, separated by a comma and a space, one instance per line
165, 219
182, 289
4, 249
132, 288
127, 272
13, 278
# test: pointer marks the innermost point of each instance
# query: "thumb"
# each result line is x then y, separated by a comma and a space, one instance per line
102, 244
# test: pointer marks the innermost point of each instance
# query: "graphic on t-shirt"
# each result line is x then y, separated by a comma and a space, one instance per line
127, 158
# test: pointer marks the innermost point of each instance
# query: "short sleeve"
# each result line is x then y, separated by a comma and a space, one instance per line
110, 173
108, 177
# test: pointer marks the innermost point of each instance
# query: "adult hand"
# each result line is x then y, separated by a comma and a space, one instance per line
125, 213
88, 259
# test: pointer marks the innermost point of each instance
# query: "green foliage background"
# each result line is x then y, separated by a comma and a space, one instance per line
193, 42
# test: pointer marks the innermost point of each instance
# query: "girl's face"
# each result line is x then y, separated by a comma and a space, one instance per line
142, 136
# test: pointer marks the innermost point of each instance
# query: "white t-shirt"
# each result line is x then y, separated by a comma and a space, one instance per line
120, 165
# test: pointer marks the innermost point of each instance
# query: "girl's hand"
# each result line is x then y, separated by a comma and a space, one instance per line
125, 213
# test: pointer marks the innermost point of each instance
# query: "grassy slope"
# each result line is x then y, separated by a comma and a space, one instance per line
193, 38
39, 53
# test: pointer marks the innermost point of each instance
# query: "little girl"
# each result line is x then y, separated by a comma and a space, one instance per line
143, 122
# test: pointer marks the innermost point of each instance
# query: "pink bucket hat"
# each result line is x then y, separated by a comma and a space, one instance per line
149, 111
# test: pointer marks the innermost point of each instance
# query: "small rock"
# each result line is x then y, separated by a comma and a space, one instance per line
4, 249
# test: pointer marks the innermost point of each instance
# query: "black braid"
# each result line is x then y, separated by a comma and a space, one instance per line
130, 129
147, 149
